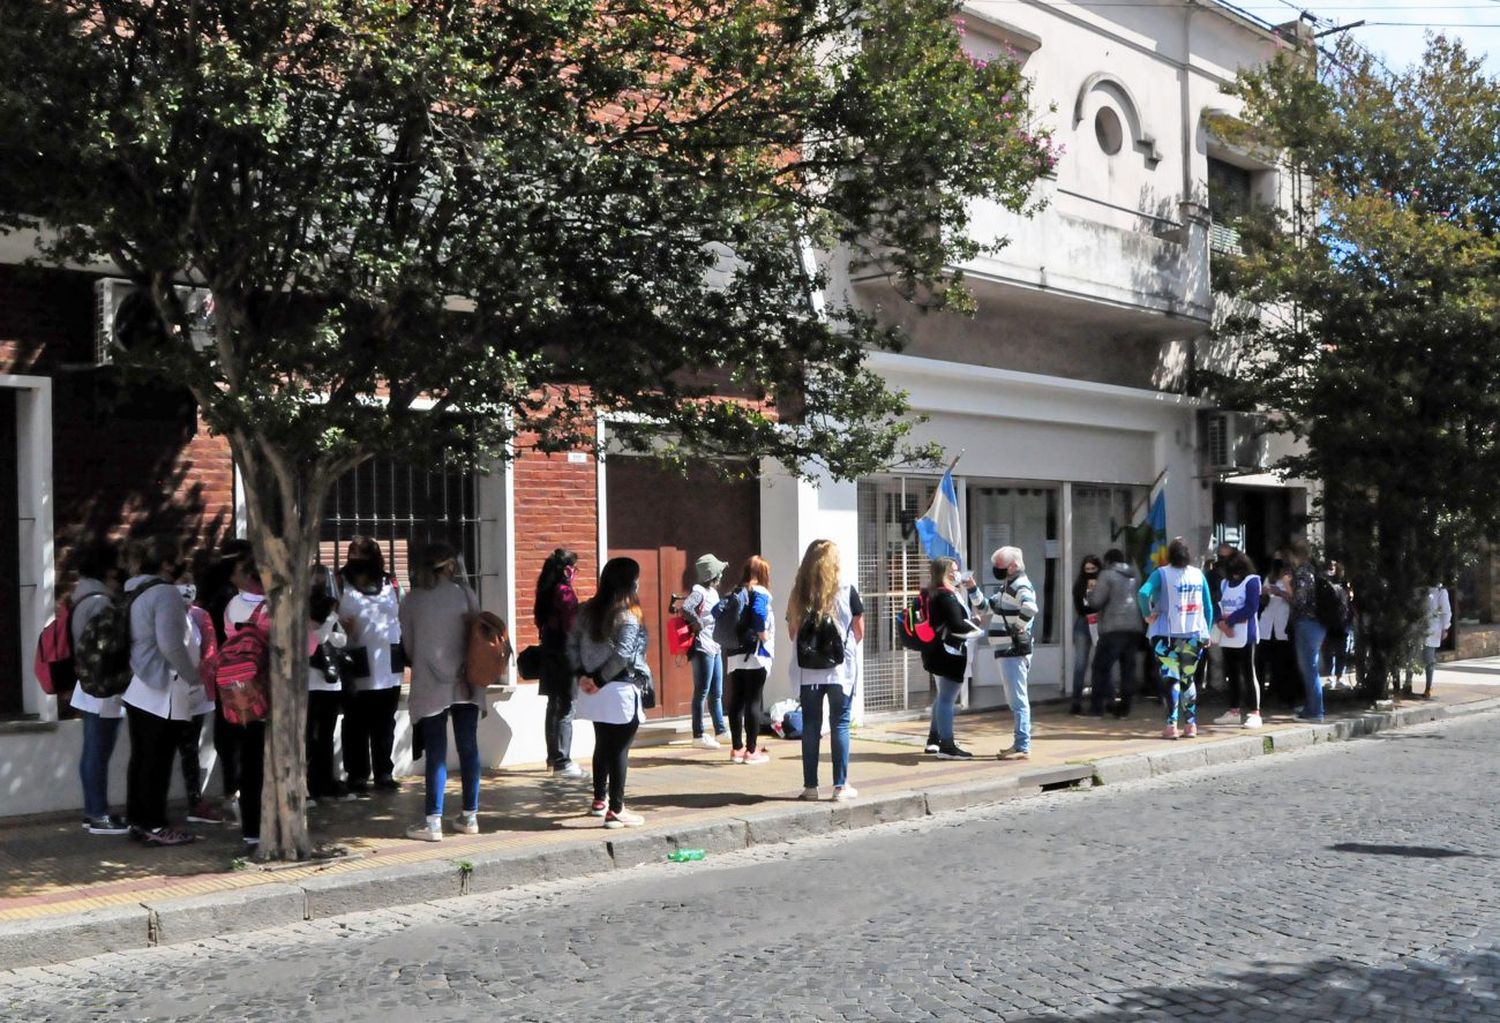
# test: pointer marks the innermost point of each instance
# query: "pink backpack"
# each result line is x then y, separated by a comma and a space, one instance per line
53, 664
241, 672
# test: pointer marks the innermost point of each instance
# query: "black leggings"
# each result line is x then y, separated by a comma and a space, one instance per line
1239, 672
187, 749
323, 708
611, 751
745, 686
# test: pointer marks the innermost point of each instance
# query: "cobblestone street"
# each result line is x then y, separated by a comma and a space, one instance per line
1354, 881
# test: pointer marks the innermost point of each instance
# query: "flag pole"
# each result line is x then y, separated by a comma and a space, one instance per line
1149, 491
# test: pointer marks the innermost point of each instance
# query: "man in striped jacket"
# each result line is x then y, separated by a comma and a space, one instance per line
1014, 610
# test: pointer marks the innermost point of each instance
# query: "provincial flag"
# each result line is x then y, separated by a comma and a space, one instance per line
1156, 518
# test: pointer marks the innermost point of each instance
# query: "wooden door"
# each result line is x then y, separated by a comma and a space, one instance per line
673, 675
666, 521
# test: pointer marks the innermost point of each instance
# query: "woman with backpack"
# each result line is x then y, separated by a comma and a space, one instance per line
434, 626
826, 620
164, 686
607, 650
370, 612
748, 667
98, 583
947, 657
1238, 623
554, 610
247, 611
708, 667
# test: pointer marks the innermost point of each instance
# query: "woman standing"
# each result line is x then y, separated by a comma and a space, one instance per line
708, 667
1237, 622
1178, 609
370, 612
247, 610
325, 637
819, 601
434, 627
948, 656
1278, 663
608, 648
99, 576
1085, 624
748, 668
554, 610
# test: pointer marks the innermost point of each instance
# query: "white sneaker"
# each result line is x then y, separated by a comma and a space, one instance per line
809, 795
430, 830
623, 819
1252, 720
466, 823
706, 742
1230, 717
572, 770
844, 793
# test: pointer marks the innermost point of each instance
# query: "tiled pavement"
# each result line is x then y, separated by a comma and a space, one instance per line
49, 868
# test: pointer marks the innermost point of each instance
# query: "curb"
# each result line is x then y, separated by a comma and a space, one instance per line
160, 922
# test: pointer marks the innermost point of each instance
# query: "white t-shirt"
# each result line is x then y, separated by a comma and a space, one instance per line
377, 627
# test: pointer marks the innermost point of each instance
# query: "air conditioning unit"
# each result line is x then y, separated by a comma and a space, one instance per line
1235, 442
113, 301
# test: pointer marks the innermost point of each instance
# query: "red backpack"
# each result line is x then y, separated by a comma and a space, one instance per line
241, 672
53, 664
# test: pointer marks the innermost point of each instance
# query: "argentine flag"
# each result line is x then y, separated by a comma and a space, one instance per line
939, 529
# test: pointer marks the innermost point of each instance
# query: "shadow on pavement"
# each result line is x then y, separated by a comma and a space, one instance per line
1420, 852
1431, 987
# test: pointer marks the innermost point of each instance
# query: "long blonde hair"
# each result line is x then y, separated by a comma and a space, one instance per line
817, 582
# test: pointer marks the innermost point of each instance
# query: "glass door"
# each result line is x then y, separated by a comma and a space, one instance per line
1028, 516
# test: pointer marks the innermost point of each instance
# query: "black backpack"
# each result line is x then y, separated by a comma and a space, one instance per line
1332, 603
820, 644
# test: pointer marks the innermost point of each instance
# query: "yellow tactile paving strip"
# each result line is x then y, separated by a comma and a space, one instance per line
48, 867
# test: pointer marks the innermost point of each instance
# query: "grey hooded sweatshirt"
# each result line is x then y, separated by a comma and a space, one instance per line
1113, 596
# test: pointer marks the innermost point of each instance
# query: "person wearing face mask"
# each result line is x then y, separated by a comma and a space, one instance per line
607, 651
948, 657
202, 643
248, 611
1085, 626
554, 611
369, 610
164, 687
1013, 609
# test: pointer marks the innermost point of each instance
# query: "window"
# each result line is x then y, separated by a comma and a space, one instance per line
405, 508
1229, 190
1109, 131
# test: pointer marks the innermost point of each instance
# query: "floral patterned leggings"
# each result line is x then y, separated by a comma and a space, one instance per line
1179, 658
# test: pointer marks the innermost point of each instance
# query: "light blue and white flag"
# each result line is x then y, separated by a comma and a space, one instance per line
940, 530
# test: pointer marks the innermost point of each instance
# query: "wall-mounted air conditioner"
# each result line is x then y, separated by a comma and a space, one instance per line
1235, 442
114, 300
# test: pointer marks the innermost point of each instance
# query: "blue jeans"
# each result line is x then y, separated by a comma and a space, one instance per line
1014, 671
1083, 642
942, 708
99, 735
466, 738
812, 732
708, 684
1307, 637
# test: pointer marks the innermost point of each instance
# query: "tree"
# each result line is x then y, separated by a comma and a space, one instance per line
443, 224
1379, 340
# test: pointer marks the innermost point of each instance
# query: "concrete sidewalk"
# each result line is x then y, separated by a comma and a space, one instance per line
65, 894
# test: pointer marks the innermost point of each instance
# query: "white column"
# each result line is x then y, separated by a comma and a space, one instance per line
37, 579
794, 513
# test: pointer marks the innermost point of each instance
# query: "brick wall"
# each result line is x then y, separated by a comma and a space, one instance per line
557, 504
126, 459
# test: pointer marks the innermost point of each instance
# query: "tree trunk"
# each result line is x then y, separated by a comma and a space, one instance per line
284, 508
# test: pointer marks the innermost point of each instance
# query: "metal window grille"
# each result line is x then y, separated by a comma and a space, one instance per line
892, 570
404, 508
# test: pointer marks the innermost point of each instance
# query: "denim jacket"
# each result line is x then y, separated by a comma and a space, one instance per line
622, 654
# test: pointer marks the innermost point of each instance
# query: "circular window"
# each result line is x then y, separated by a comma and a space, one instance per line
1109, 131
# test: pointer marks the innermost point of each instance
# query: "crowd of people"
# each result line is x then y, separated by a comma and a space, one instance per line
365, 635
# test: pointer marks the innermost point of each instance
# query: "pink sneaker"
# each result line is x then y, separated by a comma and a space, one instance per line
1170, 732
760, 756
1189, 730
737, 755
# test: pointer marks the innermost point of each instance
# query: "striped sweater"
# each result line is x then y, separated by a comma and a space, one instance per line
1014, 609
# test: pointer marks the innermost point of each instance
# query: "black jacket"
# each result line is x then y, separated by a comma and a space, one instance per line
948, 657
